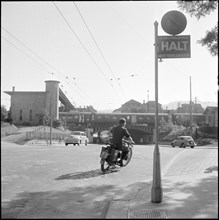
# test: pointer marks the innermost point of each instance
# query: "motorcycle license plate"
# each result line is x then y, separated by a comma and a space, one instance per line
104, 154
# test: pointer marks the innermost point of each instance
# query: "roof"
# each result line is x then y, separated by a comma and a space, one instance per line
22, 92
210, 108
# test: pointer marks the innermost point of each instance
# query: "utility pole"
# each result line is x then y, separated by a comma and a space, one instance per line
156, 191
190, 106
50, 133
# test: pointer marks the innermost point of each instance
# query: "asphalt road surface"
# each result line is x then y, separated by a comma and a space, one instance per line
58, 181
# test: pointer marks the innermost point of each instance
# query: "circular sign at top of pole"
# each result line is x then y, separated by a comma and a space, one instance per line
174, 22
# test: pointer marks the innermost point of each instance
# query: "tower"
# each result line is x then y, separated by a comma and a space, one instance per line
52, 98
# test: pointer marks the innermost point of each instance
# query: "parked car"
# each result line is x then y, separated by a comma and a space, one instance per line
76, 137
184, 141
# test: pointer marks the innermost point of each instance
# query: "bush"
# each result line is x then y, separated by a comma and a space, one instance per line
207, 131
56, 123
4, 112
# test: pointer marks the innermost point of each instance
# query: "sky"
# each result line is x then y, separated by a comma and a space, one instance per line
102, 52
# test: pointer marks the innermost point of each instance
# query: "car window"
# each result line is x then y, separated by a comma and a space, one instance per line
76, 133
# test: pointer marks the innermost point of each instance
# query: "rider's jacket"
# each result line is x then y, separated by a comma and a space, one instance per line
118, 133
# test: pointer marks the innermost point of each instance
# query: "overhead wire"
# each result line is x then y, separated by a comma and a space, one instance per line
98, 47
39, 58
84, 95
79, 40
30, 50
25, 53
84, 46
130, 26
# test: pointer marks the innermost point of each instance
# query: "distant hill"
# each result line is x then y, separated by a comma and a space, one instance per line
174, 105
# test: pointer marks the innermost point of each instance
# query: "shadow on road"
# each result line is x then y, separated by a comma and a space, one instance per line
211, 169
84, 175
186, 199
197, 200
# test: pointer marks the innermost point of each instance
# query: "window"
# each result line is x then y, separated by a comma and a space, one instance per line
30, 116
20, 115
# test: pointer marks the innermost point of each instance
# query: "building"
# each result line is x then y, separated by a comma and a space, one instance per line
133, 106
185, 108
150, 107
28, 108
211, 115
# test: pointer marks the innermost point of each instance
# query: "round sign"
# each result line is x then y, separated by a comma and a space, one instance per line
174, 22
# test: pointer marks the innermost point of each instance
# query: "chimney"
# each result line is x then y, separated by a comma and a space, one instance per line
13, 89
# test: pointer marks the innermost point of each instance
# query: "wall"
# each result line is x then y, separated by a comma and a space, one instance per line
27, 101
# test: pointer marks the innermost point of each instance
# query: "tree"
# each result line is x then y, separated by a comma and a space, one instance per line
4, 112
201, 9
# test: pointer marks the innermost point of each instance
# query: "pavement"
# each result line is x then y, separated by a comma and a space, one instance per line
188, 190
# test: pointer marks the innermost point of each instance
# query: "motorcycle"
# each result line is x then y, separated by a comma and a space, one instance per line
110, 156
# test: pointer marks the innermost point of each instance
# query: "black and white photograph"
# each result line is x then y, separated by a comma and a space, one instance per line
109, 109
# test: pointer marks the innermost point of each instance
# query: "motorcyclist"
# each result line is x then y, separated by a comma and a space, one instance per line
118, 133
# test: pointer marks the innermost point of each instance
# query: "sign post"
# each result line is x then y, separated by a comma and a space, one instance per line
173, 23
156, 191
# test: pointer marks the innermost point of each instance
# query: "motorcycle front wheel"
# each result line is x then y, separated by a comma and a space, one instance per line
128, 158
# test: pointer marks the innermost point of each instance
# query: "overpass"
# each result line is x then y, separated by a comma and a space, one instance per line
65, 101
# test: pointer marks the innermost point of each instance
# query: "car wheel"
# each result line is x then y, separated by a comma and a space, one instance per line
183, 145
66, 144
192, 146
74, 144
172, 145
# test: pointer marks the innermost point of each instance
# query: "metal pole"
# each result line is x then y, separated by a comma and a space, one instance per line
50, 134
156, 191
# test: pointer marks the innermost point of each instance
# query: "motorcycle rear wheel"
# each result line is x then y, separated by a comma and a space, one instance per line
104, 166
128, 158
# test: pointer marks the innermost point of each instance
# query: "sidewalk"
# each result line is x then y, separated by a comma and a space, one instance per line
188, 192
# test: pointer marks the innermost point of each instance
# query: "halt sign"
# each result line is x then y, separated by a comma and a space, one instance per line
174, 46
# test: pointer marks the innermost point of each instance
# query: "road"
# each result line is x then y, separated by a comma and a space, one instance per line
43, 181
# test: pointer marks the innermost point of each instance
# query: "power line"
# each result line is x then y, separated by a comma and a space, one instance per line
35, 55
24, 53
97, 46
29, 49
82, 45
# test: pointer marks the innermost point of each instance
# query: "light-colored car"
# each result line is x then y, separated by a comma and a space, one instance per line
184, 141
76, 137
